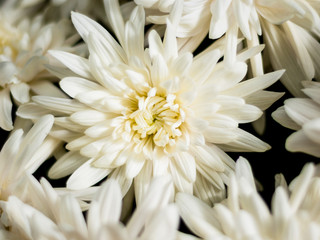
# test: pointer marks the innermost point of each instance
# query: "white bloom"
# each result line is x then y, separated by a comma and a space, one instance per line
290, 29
302, 115
24, 153
139, 113
24, 43
244, 214
294, 46
153, 219
219, 17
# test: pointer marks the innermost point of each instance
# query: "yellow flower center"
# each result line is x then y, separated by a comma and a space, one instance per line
158, 118
9, 38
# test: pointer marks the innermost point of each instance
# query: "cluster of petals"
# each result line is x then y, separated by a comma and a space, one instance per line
24, 42
244, 214
61, 217
138, 103
137, 113
303, 116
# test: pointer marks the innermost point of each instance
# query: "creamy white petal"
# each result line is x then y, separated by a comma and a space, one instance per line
77, 64
35, 136
47, 88
75, 85
245, 142
62, 105
85, 26
66, 165
5, 110
7, 71
197, 215
20, 92
312, 130
299, 142
282, 117
163, 225
252, 85
86, 176
301, 110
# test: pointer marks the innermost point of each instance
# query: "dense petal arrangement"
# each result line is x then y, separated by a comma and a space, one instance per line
146, 111
290, 30
24, 153
303, 116
138, 113
153, 219
24, 42
294, 45
244, 215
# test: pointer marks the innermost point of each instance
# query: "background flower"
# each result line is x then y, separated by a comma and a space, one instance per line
24, 41
302, 115
153, 219
244, 215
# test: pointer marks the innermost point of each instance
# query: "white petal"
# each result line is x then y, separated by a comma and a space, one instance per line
299, 142
158, 195
76, 85
301, 110
20, 92
245, 142
75, 63
34, 65
5, 110
62, 105
134, 164
71, 215
66, 165
88, 117
46, 88
185, 165
7, 71
282, 56
282, 117
86, 176
253, 85
31, 142
197, 215
301, 186
106, 206
85, 26
163, 225
115, 19
312, 130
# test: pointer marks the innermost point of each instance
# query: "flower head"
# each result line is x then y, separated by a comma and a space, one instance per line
153, 219
139, 113
244, 214
24, 42
303, 116
24, 153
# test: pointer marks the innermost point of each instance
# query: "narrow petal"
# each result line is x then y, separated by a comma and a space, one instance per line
86, 176
5, 110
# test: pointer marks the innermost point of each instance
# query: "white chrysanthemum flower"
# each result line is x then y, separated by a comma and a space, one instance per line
24, 43
294, 46
290, 29
24, 153
139, 113
244, 214
155, 218
303, 116
219, 17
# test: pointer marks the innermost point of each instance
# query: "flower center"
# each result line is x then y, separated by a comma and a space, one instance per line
9, 37
158, 118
